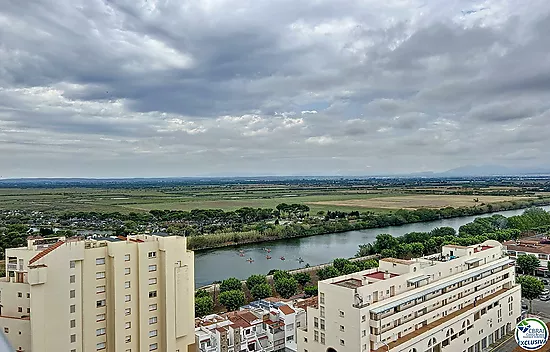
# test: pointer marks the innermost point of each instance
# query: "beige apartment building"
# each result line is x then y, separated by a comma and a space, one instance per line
461, 300
131, 294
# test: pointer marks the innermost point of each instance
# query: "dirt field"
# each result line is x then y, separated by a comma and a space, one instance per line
419, 201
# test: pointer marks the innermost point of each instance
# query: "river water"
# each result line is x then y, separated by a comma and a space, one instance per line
219, 264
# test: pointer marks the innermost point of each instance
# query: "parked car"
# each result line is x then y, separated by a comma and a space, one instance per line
544, 298
545, 292
524, 306
544, 281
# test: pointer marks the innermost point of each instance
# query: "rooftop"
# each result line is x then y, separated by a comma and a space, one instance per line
481, 248
379, 275
397, 261
43, 253
286, 310
528, 246
349, 283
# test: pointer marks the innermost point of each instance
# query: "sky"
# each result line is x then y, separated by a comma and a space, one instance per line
152, 88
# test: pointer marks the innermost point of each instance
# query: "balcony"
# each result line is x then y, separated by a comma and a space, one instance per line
465, 310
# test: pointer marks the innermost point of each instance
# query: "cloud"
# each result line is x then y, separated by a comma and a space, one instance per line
158, 88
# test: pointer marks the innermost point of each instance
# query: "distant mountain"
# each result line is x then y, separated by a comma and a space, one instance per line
491, 170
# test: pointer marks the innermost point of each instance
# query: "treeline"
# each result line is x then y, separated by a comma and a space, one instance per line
496, 227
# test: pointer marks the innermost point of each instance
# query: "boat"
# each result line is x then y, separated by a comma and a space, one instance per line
241, 254
268, 250
300, 260
282, 258
267, 257
250, 260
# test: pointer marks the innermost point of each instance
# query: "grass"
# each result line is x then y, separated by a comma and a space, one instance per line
229, 197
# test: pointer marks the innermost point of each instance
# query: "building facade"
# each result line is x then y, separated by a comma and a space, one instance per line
129, 294
260, 326
537, 246
462, 300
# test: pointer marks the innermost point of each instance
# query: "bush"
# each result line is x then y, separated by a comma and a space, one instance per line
232, 300
327, 273
201, 293
261, 291
311, 290
231, 284
279, 274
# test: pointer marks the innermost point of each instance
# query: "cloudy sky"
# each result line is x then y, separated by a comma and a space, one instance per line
123, 88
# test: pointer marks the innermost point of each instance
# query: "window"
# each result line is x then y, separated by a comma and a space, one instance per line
72, 308
290, 338
153, 333
363, 318
152, 320
72, 294
28, 310
72, 279
153, 347
19, 294
152, 254
73, 338
72, 264
322, 298
100, 346
128, 338
28, 295
20, 309
342, 342
316, 335
100, 275
153, 267
100, 289
6, 330
99, 261
73, 323
322, 324
152, 294
100, 331
322, 312
153, 281
126, 271
127, 311
152, 307
316, 322
100, 303
364, 333
342, 313
322, 338
127, 325
100, 317
127, 284
127, 257
127, 298
342, 328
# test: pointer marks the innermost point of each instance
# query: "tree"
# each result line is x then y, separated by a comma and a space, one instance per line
201, 293
339, 263
311, 290
203, 306
279, 274
232, 300
231, 284
302, 278
286, 286
255, 280
385, 241
327, 272
531, 288
388, 253
261, 291
349, 268
528, 263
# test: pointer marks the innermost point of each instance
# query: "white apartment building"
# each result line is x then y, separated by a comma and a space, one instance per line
260, 326
131, 294
463, 299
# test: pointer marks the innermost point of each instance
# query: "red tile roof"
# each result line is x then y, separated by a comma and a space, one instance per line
286, 310
482, 248
308, 302
45, 251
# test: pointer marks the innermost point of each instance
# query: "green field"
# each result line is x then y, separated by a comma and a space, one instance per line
228, 198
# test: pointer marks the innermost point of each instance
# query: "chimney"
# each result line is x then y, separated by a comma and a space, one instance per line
386, 275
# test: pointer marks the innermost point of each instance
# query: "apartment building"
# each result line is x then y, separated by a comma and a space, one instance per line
537, 246
129, 294
259, 326
463, 299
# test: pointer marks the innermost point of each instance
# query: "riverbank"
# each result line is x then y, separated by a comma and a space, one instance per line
300, 230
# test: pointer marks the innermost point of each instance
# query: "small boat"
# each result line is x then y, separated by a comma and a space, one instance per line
250, 260
241, 254
267, 257
268, 250
300, 260
282, 258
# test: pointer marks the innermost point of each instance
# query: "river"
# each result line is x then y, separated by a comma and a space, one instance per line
221, 263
